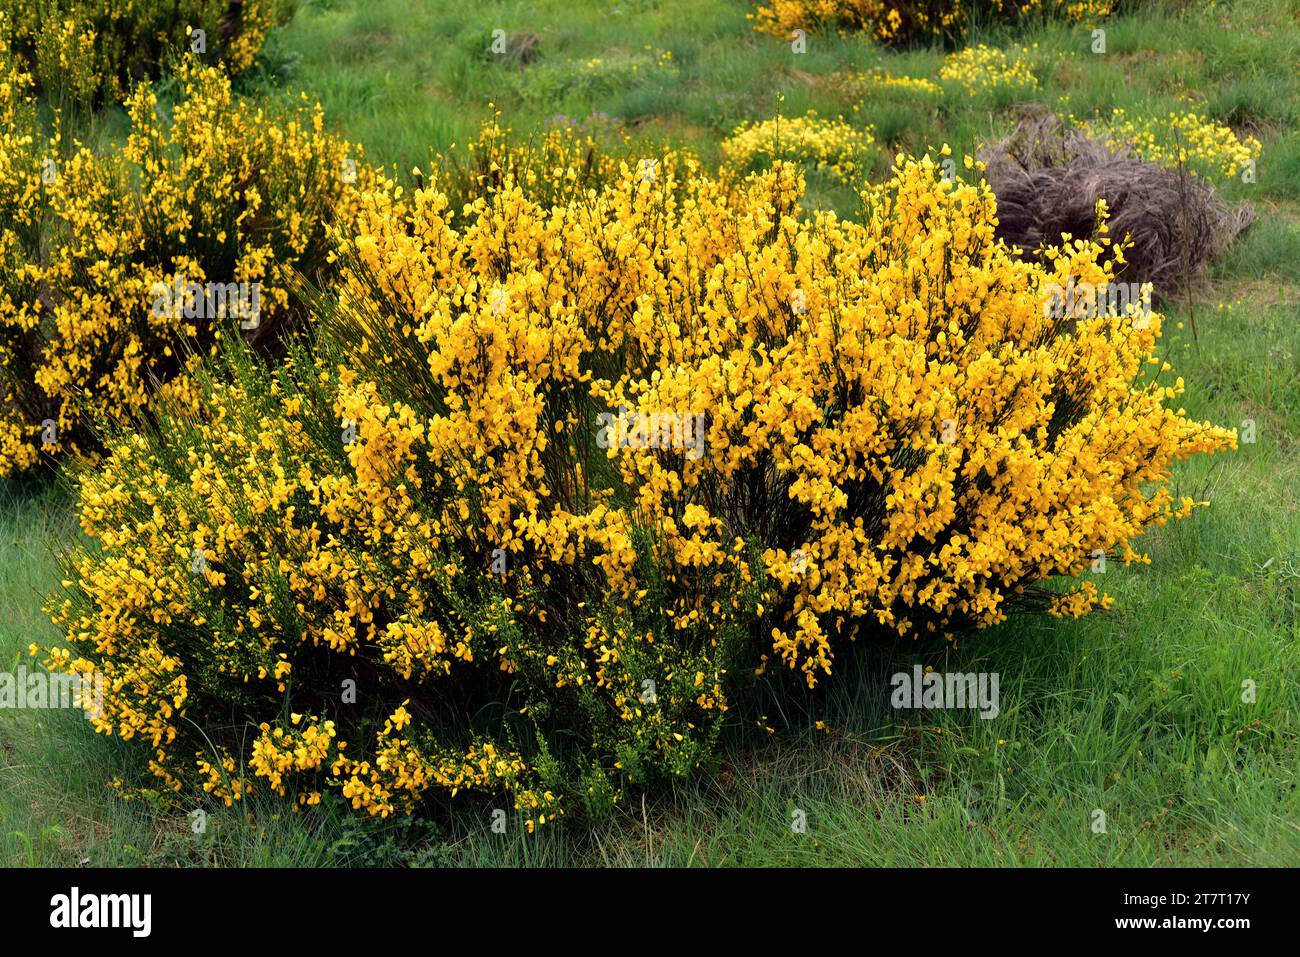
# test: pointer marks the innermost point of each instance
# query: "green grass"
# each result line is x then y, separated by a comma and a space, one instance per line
402, 79
1137, 712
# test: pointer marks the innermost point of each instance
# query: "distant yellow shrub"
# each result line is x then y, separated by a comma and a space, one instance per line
880, 80
907, 21
982, 69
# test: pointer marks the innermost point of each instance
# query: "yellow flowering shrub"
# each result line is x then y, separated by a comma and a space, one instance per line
842, 151
982, 69
23, 143
1178, 139
224, 195
877, 80
92, 51
908, 21
555, 480
556, 168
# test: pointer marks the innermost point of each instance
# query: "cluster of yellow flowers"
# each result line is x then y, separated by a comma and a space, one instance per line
1076, 11
781, 18
979, 69
843, 151
22, 141
1178, 139
90, 51
982, 69
104, 252
877, 79
584, 458
906, 21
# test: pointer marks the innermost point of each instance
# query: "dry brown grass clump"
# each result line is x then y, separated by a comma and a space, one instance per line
1048, 180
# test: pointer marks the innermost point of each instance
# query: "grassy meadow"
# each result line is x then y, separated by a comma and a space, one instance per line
1137, 712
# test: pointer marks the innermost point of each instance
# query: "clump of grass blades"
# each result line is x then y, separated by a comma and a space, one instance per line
1049, 181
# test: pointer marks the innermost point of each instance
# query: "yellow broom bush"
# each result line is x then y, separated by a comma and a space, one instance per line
842, 151
23, 143
556, 480
219, 191
907, 21
983, 69
90, 52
